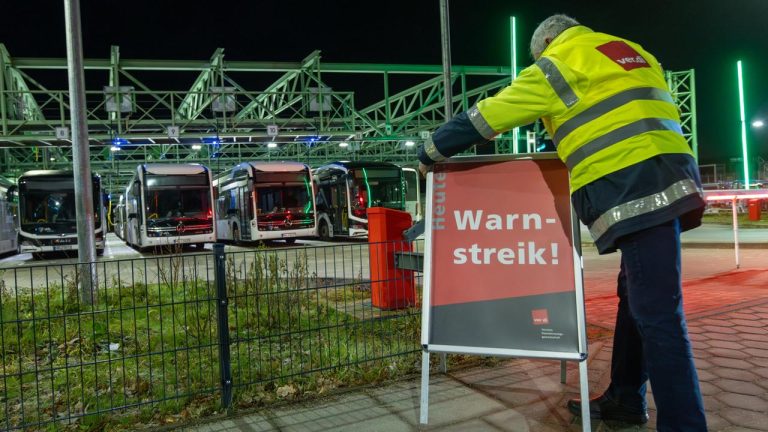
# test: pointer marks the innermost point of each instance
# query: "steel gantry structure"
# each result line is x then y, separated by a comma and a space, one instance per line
683, 87
220, 113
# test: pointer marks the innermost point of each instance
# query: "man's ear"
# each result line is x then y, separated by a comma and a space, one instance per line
548, 40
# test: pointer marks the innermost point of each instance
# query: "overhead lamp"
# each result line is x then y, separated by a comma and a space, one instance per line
409, 143
196, 146
62, 133
119, 99
758, 123
343, 144
224, 99
114, 148
272, 145
172, 131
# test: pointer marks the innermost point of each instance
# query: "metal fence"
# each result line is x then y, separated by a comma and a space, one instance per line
179, 334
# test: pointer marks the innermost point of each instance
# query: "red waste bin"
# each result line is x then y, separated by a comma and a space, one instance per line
753, 206
391, 288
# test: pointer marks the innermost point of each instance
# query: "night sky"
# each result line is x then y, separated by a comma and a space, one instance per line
705, 35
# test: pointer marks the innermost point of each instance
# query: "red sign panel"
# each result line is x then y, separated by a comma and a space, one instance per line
501, 256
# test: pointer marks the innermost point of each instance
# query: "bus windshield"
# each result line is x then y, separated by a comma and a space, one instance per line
174, 197
47, 206
283, 192
283, 199
175, 203
378, 187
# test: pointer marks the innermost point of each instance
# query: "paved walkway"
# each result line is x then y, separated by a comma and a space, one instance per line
727, 311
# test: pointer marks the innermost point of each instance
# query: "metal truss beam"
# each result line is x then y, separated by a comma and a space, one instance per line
683, 87
198, 97
16, 100
281, 94
316, 122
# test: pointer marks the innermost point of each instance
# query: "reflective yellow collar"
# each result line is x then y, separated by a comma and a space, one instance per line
567, 35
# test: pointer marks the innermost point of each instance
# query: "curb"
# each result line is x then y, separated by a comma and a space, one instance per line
716, 245
705, 245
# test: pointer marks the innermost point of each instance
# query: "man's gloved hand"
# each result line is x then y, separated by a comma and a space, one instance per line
424, 169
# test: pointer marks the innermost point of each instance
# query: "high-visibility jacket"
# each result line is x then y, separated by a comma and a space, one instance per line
606, 105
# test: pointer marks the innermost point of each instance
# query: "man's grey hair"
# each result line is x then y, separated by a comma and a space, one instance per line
549, 29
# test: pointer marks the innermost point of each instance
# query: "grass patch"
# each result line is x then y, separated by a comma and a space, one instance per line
146, 355
66, 362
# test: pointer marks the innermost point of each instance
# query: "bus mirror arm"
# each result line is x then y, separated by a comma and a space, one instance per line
9, 194
416, 230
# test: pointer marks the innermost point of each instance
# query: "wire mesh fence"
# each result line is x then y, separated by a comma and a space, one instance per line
223, 329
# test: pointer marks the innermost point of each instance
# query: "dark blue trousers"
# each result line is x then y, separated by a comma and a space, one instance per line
651, 338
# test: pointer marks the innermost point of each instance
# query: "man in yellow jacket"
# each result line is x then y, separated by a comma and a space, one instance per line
634, 183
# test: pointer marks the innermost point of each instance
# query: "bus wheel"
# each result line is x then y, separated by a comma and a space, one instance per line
200, 246
37, 256
99, 252
235, 235
290, 241
324, 231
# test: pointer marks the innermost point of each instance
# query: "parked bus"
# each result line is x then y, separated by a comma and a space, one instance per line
9, 238
265, 201
47, 220
169, 205
345, 191
118, 217
413, 194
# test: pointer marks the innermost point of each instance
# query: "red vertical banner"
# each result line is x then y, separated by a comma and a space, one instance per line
501, 256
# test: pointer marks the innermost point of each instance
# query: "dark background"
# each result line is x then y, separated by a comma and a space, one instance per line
706, 35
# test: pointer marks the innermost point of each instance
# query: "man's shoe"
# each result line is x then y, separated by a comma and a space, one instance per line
603, 408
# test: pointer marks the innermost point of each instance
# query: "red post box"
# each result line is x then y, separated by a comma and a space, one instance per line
753, 207
391, 288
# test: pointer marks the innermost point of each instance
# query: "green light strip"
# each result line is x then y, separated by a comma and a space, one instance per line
309, 196
513, 29
368, 188
743, 126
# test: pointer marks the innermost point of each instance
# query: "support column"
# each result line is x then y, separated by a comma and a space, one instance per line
86, 237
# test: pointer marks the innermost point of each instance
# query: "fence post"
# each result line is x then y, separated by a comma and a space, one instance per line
222, 318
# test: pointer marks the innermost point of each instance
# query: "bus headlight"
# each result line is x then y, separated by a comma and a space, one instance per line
29, 244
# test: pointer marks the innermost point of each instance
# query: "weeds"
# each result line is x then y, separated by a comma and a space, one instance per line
147, 353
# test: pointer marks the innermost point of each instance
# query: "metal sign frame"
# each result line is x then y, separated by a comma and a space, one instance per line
427, 348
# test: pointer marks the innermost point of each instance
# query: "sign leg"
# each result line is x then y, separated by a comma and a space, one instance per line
586, 425
563, 371
443, 363
424, 407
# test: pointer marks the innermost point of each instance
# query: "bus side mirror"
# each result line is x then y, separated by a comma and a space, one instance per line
10, 194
